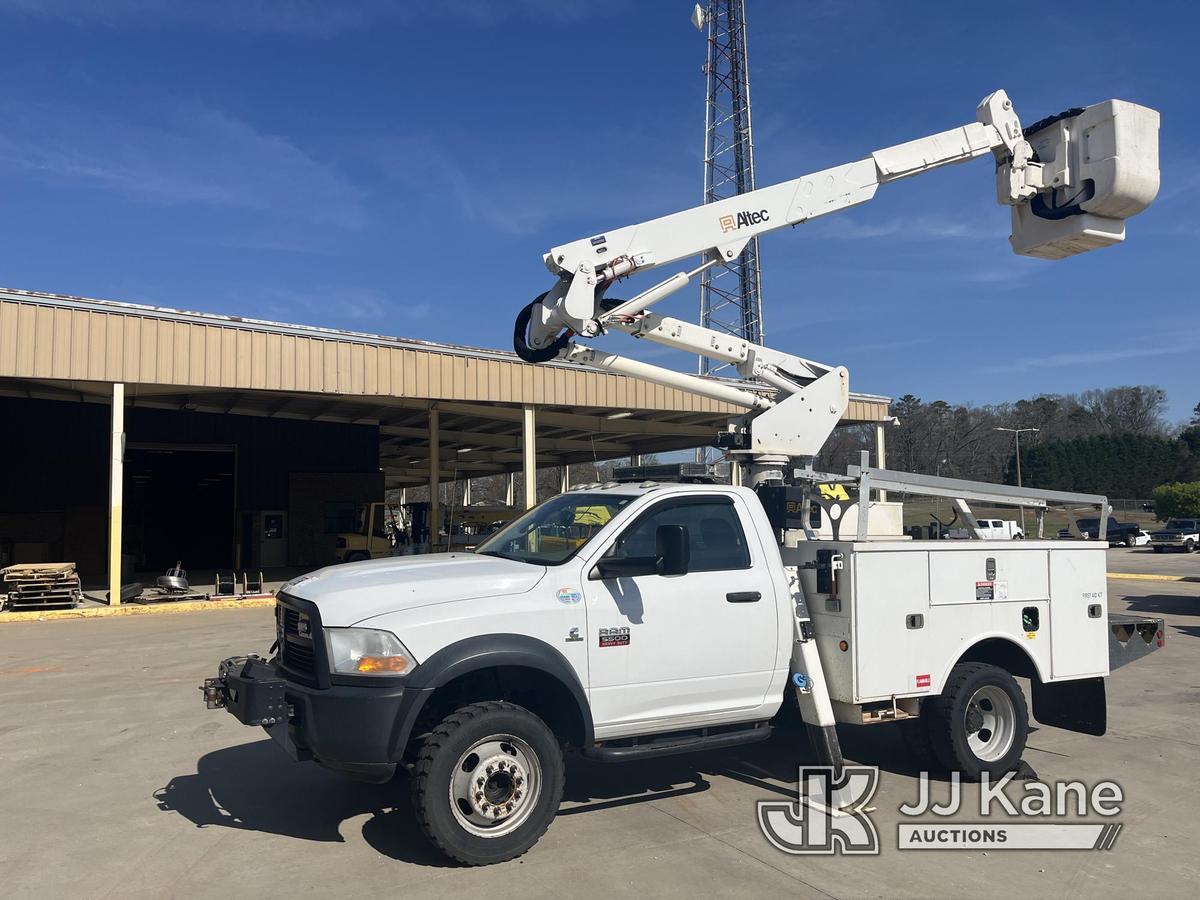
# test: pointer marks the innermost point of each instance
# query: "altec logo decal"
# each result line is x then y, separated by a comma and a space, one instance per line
742, 219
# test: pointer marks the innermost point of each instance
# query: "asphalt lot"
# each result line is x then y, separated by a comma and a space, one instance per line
1144, 560
118, 783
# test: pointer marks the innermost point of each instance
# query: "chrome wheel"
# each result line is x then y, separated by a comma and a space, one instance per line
495, 785
990, 721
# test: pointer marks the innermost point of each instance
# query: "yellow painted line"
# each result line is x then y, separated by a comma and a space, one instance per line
1139, 576
132, 609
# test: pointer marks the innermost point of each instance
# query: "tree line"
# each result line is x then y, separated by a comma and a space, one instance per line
1115, 441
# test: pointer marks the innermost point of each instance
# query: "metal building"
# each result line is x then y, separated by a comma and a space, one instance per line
142, 430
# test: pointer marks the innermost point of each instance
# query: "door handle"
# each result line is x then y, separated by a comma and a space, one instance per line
744, 597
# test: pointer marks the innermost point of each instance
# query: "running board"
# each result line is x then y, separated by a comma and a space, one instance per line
669, 745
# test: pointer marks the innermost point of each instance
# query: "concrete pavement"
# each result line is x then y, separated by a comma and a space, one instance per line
118, 783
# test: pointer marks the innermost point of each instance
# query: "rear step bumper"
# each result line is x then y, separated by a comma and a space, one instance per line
669, 745
1132, 637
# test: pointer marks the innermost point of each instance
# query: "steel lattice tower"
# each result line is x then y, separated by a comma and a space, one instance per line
730, 292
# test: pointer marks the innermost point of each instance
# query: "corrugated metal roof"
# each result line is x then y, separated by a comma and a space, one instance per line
63, 338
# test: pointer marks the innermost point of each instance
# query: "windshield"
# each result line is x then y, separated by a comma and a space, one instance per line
550, 534
1180, 524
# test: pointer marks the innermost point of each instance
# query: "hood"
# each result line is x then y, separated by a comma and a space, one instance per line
351, 592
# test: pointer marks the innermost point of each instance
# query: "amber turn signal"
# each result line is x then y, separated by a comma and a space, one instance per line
389, 664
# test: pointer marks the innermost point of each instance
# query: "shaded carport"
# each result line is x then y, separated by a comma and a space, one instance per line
438, 410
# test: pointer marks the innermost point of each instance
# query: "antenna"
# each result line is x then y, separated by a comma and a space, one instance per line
730, 292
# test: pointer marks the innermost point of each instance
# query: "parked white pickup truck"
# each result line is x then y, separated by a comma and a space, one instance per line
630, 621
991, 530
1178, 534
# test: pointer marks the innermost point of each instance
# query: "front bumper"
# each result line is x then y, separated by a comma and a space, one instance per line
357, 730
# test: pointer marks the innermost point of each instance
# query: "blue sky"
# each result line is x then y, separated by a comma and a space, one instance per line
400, 168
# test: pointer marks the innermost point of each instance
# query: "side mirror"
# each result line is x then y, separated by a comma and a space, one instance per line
672, 549
671, 557
624, 567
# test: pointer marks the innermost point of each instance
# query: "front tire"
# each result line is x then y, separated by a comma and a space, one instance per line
1189, 546
1130, 542
487, 782
979, 723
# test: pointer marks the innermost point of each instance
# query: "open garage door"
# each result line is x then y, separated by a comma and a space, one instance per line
179, 505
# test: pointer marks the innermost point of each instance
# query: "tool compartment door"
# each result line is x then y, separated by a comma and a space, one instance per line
1078, 613
1000, 573
888, 655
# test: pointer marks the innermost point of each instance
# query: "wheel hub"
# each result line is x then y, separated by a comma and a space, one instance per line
498, 783
990, 723
495, 785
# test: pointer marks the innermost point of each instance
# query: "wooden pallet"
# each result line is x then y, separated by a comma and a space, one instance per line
41, 585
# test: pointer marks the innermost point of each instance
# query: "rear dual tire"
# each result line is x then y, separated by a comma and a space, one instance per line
979, 723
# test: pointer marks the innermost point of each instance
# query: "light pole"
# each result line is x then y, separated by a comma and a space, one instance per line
1016, 433
937, 503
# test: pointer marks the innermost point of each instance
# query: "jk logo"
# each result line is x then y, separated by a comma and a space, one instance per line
830, 814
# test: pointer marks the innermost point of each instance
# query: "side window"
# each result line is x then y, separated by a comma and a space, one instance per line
715, 534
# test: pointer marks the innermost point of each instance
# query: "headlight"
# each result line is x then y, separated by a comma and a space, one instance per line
366, 651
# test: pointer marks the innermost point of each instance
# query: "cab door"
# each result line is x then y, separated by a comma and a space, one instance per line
704, 643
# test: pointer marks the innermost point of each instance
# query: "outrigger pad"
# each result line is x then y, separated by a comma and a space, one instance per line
1078, 705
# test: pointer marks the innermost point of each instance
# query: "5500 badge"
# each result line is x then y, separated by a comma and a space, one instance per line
614, 637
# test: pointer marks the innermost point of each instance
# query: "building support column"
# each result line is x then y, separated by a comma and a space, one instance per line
529, 442
435, 478
881, 453
564, 479
466, 492
116, 484
510, 489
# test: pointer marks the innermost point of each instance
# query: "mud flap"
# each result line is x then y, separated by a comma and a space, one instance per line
1078, 705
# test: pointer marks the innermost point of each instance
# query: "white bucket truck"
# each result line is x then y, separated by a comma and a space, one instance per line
624, 621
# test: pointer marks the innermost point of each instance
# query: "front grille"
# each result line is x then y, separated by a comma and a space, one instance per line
298, 634
299, 658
